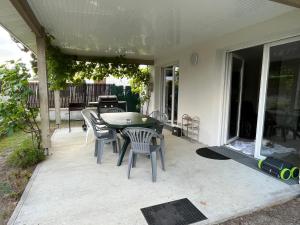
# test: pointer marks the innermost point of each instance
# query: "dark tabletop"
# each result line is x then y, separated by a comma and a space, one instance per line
120, 120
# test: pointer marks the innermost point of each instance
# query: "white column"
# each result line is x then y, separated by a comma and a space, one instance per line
43, 92
57, 107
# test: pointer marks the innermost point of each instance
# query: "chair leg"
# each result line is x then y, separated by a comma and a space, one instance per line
134, 156
100, 152
162, 158
96, 147
115, 149
154, 166
119, 145
87, 135
129, 163
154, 141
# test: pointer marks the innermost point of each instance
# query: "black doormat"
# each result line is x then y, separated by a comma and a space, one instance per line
207, 153
179, 212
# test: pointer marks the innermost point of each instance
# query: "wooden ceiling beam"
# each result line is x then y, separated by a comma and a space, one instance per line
27, 14
293, 3
124, 60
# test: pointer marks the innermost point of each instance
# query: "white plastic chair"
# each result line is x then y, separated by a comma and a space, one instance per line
86, 114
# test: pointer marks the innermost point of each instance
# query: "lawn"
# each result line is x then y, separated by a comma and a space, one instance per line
12, 180
8, 143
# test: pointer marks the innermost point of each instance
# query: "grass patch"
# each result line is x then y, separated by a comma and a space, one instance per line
13, 141
25, 155
14, 175
5, 189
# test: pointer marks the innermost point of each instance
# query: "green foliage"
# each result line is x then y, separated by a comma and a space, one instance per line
140, 83
14, 109
64, 68
5, 189
25, 155
59, 66
12, 141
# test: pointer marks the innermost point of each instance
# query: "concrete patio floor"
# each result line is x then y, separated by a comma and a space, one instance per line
70, 188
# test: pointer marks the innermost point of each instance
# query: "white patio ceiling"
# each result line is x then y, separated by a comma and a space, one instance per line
11, 20
142, 29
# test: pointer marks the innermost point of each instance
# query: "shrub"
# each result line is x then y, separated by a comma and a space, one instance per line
25, 155
14, 108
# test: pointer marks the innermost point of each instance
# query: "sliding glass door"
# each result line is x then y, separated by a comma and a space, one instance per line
278, 134
267, 78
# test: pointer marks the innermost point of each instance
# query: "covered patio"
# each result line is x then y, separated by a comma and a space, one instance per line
70, 188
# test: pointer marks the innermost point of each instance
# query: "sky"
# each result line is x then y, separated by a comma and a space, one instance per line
9, 49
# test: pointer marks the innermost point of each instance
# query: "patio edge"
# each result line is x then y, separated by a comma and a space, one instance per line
24, 196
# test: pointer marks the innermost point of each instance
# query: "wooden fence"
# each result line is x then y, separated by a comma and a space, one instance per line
86, 93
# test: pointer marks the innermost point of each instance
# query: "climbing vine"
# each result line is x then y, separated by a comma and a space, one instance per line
63, 69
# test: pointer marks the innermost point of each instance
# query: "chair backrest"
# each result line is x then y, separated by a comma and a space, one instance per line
95, 125
91, 120
162, 117
97, 116
140, 138
86, 114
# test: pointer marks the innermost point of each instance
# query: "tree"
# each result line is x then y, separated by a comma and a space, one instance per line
14, 107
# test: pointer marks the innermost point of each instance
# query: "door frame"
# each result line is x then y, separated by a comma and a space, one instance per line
230, 56
163, 88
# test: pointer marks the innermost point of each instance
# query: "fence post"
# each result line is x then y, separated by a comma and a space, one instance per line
57, 107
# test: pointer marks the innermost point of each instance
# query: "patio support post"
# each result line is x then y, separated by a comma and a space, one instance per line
57, 107
43, 91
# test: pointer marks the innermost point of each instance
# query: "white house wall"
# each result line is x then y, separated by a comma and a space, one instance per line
201, 86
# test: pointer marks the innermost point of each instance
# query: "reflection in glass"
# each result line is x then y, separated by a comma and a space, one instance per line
281, 137
171, 87
235, 97
168, 91
176, 84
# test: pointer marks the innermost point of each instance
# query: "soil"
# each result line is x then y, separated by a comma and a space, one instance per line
12, 184
284, 214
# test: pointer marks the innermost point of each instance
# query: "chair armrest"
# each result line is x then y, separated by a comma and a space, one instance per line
159, 136
162, 140
100, 127
104, 128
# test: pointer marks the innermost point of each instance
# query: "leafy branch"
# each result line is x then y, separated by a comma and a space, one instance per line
64, 69
14, 108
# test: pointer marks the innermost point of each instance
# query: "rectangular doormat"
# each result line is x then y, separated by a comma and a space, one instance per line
179, 212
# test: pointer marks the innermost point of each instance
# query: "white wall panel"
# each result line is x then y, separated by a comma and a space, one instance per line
201, 86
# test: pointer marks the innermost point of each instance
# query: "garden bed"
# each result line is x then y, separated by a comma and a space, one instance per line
12, 180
